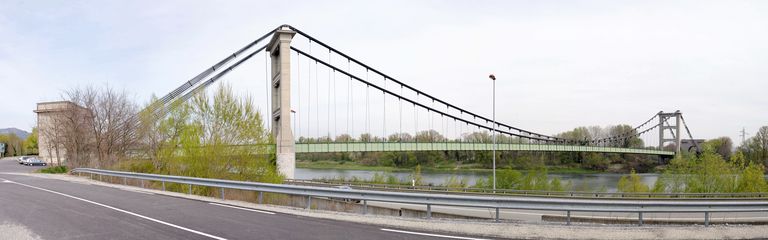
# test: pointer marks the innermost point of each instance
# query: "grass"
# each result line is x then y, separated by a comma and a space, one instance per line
54, 170
439, 168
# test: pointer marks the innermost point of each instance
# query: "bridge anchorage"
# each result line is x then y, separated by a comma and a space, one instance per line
387, 114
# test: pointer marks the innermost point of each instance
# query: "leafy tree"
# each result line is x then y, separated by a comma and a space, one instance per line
14, 146
757, 146
710, 173
596, 161
556, 184
455, 182
627, 130
752, 179
660, 186
30, 144
632, 184
722, 146
219, 136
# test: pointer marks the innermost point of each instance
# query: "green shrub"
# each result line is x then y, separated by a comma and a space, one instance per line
752, 179
633, 184
54, 170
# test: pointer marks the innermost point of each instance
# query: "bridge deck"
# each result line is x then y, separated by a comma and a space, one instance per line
443, 146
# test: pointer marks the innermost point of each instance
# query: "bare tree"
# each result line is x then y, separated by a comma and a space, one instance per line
100, 131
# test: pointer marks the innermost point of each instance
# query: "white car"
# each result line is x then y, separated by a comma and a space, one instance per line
22, 159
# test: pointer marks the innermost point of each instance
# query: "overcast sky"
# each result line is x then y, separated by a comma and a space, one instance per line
560, 64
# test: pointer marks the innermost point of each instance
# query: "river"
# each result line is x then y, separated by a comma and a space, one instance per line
592, 182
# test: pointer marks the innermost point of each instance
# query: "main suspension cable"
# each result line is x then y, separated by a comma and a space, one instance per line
405, 85
414, 102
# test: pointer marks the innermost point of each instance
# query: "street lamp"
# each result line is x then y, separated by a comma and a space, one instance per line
293, 119
492, 77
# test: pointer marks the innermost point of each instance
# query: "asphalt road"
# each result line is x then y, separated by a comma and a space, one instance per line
536, 215
54, 209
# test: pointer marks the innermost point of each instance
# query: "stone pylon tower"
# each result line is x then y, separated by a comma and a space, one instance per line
664, 124
280, 51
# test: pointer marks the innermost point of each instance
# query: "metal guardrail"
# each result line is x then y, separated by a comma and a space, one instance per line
574, 194
439, 199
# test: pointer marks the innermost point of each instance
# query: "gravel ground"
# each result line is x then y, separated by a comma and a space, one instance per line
515, 230
11, 231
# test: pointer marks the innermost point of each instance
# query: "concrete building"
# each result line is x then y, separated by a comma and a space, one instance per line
689, 145
57, 122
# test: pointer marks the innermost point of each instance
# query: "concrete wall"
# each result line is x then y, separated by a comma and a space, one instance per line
52, 121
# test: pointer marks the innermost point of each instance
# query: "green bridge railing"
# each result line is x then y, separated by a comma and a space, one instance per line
452, 146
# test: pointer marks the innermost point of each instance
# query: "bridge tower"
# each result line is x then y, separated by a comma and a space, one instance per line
280, 51
664, 124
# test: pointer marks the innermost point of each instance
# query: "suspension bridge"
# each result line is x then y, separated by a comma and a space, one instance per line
337, 97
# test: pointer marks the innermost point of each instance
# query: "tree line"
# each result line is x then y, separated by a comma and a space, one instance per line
15, 146
483, 159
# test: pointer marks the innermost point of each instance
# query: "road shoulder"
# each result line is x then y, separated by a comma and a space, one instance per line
479, 227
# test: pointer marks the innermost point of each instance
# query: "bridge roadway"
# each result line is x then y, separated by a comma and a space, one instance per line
455, 146
54, 209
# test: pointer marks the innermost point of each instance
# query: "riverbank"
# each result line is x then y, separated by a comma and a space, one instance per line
468, 168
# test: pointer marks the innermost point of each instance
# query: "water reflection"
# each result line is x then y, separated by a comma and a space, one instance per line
586, 182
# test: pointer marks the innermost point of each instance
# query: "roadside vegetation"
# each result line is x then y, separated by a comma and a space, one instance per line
217, 135
382, 177
537, 180
54, 170
220, 136
706, 173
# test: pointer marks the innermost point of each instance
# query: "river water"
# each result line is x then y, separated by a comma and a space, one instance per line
587, 182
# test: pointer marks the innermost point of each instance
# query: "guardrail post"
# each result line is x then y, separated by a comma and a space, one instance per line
309, 202
125, 180
706, 219
142, 183
568, 217
163, 185
497, 214
222, 193
429, 211
99, 177
365, 207
190, 189
640, 218
261, 197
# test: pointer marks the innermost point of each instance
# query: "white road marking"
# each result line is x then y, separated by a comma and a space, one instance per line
124, 211
6, 181
246, 209
430, 234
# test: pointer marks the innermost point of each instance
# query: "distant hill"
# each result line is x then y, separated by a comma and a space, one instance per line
20, 133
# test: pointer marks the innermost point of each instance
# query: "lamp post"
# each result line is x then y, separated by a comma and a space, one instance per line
293, 119
493, 78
